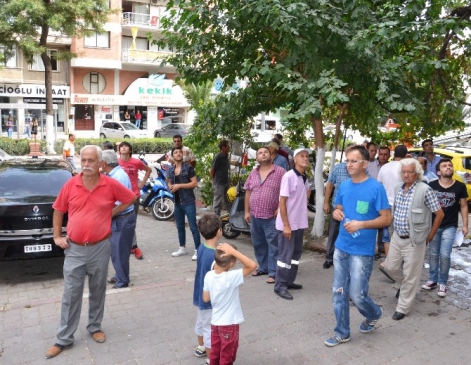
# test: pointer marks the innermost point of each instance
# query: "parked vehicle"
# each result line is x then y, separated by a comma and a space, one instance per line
171, 129
28, 188
461, 160
233, 223
156, 196
121, 130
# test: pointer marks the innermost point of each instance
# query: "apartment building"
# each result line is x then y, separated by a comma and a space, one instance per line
120, 71
23, 93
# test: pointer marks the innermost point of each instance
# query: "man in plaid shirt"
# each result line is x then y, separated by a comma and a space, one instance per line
414, 204
262, 190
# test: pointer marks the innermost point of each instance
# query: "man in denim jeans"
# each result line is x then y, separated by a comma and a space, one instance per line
452, 195
181, 179
362, 207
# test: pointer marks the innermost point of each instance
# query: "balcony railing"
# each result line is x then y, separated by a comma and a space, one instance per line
138, 55
137, 19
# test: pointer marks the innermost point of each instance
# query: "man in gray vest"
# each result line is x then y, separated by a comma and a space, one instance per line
414, 204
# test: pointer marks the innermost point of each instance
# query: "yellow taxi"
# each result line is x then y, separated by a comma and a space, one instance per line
460, 158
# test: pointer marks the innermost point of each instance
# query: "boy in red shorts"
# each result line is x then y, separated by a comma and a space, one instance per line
221, 286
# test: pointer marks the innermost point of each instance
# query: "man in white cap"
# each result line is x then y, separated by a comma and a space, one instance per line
291, 222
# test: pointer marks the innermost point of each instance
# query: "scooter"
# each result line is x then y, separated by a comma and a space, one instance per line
233, 223
156, 196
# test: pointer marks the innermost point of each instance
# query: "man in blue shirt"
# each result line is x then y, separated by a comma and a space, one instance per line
278, 160
362, 207
122, 226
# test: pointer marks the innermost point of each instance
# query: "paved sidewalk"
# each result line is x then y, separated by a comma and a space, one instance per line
152, 321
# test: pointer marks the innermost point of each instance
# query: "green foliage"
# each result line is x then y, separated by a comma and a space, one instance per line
407, 59
19, 147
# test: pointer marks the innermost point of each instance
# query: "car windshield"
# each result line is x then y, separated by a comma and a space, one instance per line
467, 163
41, 184
129, 126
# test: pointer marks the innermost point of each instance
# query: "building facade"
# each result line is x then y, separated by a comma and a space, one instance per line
120, 71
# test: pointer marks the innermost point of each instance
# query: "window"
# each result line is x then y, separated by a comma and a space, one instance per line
94, 82
8, 58
98, 40
38, 64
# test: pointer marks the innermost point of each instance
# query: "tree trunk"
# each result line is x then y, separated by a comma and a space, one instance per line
319, 219
48, 85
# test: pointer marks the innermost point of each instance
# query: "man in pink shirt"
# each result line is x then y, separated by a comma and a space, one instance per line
132, 166
291, 222
261, 206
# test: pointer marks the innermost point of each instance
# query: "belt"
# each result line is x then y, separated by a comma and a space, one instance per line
123, 215
403, 237
90, 243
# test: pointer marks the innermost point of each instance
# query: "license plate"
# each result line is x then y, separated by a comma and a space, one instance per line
38, 248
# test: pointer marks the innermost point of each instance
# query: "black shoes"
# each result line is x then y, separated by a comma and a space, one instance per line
397, 316
386, 274
327, 265
284, 294
295, 286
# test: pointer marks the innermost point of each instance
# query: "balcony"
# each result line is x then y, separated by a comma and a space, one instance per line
140, 20
143, 56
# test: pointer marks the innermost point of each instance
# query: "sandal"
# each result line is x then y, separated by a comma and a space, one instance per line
259, 273
270, 280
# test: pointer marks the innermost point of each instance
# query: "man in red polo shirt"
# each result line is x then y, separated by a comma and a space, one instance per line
89, 200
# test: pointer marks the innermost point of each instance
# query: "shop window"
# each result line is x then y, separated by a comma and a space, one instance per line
97, 40
38, 64
8, 57
94, 83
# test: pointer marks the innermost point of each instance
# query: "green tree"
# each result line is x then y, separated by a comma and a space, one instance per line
27, 24
360, 60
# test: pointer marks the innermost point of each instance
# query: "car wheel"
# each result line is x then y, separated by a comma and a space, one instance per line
156, 135
102, 135
126, 136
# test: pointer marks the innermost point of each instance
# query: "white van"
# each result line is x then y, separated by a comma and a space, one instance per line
272, 126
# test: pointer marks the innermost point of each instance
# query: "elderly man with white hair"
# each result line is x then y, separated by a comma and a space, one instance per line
414, 204
89, 199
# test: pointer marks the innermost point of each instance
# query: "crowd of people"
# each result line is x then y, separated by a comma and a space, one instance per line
374, 205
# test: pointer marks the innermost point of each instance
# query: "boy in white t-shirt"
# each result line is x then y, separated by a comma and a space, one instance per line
221, 287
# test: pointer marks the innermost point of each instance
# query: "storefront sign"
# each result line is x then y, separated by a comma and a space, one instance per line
41, 101
33, 90
154, 91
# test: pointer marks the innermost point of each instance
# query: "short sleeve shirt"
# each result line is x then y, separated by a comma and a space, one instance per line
449, 199
89, 212
264, 194
223, 289
295, 188
338, 175
220, 166
69, 148
132, 168
204, 264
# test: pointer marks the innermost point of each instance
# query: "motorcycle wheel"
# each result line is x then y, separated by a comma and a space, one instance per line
163, 209
311, 205
228, 232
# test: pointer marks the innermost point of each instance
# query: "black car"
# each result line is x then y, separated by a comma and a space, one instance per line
28, 188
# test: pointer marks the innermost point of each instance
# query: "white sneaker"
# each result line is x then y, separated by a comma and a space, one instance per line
442, 290
195, 256
181, 251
